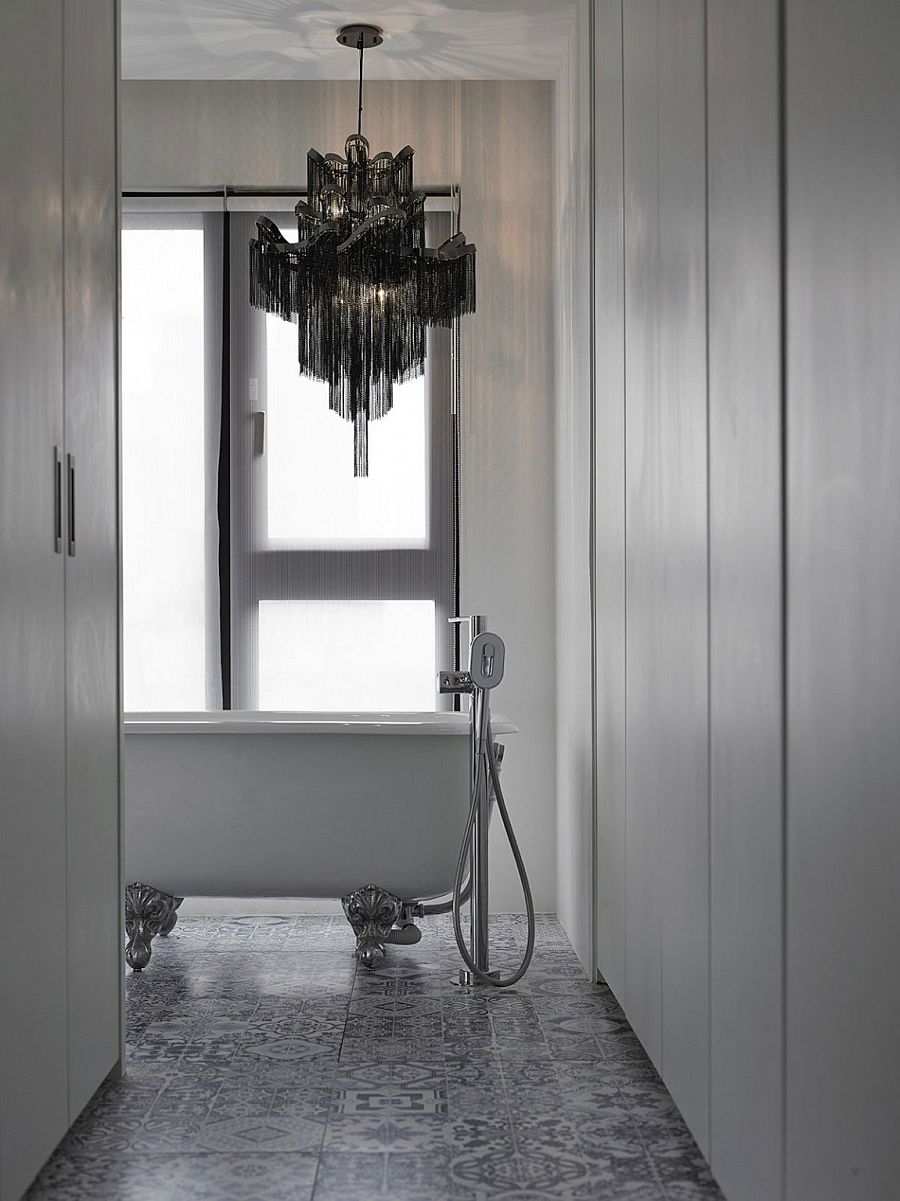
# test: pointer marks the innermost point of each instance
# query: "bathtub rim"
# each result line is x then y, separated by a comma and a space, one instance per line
235, 721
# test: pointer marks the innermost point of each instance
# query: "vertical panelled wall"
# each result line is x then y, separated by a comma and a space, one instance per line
745, 600
746, 303
609, 490
687, 546
33, 984
93, 908
666, 580
843, 583
60, 942
574, 732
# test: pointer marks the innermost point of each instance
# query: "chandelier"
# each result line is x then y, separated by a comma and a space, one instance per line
360, 282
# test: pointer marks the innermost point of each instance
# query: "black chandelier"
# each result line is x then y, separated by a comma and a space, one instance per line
360, 282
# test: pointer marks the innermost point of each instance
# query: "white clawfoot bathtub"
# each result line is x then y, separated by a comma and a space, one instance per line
295, 805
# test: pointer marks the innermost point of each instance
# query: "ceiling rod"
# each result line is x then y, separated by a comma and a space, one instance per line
363, 37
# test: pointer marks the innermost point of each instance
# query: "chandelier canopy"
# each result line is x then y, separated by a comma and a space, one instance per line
360, 282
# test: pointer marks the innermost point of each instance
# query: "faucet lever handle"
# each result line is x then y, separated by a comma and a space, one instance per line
454, 681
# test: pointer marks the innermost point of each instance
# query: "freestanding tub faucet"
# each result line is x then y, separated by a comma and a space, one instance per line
487, 655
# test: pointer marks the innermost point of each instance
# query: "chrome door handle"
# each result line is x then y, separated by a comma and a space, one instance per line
57, 500
259, 432
71, 464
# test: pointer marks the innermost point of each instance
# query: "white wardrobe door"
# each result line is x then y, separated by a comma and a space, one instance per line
33, 1110
667, 847
609, 492
646, 708
843, 720
92, 716
680, 609
746, 1056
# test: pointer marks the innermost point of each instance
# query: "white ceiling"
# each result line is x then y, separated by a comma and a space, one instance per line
283, 39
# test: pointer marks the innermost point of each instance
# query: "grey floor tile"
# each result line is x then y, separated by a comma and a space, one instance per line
472, 1102
683, 1190
480, 1133
358, 1132
496, 1172
416, 1175
351, 1175
269, 1133
263, 1064
187, 1177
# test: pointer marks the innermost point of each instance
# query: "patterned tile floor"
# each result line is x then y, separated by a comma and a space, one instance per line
264, 1065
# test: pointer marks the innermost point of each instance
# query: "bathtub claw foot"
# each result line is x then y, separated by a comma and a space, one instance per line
148, 913
372, 913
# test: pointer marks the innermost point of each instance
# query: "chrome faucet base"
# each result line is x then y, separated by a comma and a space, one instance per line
467, 979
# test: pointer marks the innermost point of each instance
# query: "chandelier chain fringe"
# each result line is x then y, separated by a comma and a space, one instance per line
360, 282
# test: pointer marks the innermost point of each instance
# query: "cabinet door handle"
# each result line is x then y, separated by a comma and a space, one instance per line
259, 432
71, 463
57, 500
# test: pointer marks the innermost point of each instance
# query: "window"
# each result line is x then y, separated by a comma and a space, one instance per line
164, 433
272, 579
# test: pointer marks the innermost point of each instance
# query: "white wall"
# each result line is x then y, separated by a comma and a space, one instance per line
495, 138
574, 721
507, 528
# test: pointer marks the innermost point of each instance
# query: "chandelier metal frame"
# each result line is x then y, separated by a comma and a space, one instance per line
360, 283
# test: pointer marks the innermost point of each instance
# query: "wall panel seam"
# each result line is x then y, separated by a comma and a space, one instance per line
67, 567
624, 520
709, 755
592, 483
658, 390
117, 58
783, 352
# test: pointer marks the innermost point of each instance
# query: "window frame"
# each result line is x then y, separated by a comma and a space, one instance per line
168, 216
235, 497
261, 572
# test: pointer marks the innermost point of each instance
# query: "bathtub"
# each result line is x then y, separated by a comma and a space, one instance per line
291, 805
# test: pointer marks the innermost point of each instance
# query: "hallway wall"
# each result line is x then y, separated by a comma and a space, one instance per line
574, 720
843, 581
668, 424
688, 560
743, 398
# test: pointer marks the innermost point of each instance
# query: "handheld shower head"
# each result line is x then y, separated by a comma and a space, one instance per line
486, 659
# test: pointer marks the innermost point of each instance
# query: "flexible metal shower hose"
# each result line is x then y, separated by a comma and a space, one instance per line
490, 758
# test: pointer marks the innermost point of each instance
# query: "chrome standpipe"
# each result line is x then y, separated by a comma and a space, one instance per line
486, 660
478, 853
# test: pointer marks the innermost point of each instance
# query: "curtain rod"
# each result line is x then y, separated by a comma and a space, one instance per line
231, 190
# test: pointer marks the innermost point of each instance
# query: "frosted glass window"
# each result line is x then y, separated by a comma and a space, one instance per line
163, 478
312, 496
346, 655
